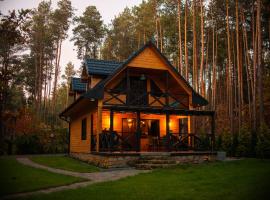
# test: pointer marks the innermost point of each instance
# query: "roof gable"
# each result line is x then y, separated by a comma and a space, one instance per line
148, 58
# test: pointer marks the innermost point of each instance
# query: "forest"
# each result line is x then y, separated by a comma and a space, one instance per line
222, 48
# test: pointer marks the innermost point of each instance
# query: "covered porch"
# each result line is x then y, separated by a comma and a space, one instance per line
139, 129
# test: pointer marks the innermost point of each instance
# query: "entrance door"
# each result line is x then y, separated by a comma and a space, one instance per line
128, 133
137, 90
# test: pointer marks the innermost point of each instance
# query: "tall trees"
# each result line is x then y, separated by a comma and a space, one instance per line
12, 44
69, 72
88, 33
61, 21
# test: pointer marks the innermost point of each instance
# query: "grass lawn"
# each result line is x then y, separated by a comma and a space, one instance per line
15, 177
245, 179
64, 162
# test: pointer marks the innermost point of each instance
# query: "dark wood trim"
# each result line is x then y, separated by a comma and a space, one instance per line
128, 87
157, 110
112, 97
167, 88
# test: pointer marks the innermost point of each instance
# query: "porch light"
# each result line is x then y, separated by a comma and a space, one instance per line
142, 77
129, 122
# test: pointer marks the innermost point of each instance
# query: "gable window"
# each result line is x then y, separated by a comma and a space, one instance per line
83, 133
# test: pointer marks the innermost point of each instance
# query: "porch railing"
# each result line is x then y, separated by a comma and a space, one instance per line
112, 141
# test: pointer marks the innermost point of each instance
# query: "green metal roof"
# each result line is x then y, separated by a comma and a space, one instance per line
101, 67
78, 85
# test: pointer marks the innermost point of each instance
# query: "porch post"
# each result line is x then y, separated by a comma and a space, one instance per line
111, 130
111, 120
99, 123
168, 131
138, 130
189, 130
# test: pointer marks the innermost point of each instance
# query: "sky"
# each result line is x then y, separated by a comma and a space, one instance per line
107, 8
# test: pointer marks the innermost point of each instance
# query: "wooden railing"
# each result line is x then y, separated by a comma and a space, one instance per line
112, 141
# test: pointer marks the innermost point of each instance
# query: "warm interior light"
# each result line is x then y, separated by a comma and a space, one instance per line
129, 122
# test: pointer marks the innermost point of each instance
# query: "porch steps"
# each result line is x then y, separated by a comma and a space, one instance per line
153, 162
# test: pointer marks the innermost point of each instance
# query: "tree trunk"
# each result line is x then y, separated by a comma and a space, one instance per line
179, 37
260, 67
202, 47
194, 76
186, 49
239, 73
229, 85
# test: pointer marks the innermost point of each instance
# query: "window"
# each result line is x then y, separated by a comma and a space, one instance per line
83, 136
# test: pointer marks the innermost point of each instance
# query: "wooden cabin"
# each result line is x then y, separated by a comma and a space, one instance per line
141, 104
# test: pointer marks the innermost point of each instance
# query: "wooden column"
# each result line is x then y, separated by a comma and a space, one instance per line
168, 131
111, 120
189, 130
138, 131
99, 122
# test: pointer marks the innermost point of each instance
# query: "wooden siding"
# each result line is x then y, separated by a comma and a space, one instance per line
76, 144
94, 80
148, 58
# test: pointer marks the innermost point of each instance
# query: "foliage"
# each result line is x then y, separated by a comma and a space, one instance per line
88, 32
28, 144
263, 144
244, 142
15, 177
42, 142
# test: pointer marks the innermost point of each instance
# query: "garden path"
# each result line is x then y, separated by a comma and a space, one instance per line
91, 178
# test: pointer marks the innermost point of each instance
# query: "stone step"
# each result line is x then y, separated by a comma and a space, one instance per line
155, 158
156, 161
152, 166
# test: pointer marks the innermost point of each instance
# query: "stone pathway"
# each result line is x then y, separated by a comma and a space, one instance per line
95, 177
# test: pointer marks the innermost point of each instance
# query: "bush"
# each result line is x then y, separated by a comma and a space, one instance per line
28, 144
43, 141
243, 148
263, 143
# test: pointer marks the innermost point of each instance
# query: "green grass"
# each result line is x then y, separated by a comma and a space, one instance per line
66, 163
245, 179
15, 177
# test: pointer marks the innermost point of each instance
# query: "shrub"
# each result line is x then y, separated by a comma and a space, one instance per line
243, 148
263, 143
28, 144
